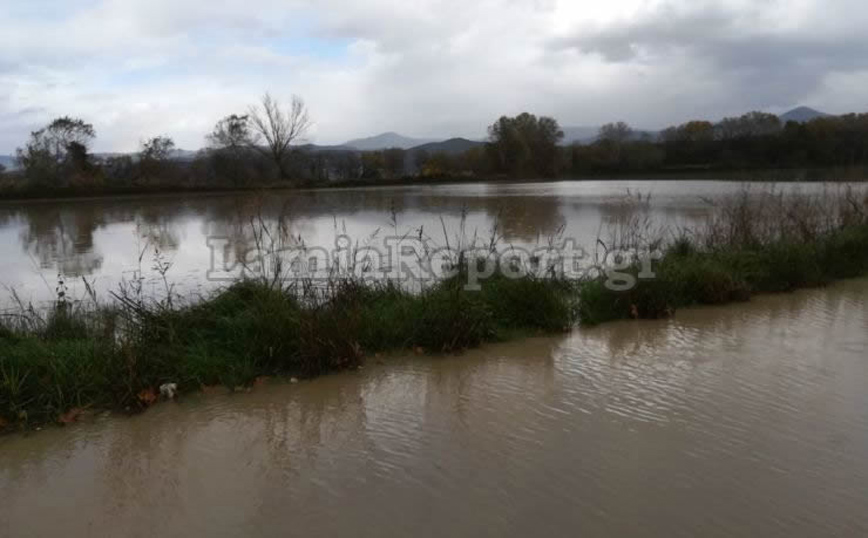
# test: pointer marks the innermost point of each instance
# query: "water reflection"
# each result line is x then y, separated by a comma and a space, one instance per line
738, 421
62, 239
105, 239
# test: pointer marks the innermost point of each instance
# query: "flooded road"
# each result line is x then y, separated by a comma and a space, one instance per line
737, 421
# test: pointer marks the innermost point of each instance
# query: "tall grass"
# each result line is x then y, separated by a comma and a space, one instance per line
117, 356
254, 329
751, 243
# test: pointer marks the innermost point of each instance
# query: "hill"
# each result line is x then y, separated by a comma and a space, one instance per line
385, 141
314, 148
453, 146
583, 135
802, 114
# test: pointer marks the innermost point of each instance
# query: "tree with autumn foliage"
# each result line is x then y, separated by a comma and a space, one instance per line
525, 145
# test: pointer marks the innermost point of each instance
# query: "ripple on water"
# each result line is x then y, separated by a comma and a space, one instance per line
738, 421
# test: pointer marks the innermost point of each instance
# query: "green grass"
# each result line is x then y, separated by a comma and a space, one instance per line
117, 357
687, 276
252, 330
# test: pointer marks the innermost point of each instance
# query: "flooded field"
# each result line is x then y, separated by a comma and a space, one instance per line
745, 420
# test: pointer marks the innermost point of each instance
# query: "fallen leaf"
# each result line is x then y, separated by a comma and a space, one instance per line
260, 381
148, 397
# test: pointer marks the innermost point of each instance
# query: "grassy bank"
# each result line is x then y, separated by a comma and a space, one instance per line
117, 356
765, 243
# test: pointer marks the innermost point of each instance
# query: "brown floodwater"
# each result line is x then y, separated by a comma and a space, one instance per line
745, 420
110, 240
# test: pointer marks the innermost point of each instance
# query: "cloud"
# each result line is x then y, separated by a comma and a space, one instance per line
766, 53
138, 68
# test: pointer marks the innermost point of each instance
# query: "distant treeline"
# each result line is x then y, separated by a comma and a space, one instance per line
260, 148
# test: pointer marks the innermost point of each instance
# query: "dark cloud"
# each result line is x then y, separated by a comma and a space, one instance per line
767, 62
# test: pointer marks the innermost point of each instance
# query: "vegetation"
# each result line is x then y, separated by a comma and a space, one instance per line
116, 358
752, 244
261, 149
53, 365
278, 129
525, 145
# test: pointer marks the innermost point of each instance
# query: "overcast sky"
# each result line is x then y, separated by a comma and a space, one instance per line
139, 68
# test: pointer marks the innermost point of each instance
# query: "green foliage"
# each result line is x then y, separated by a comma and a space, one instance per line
5, 332
525, 145
41, 379
56, 152
250, 330
687, 276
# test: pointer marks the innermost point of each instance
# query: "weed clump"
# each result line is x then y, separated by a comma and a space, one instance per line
764, 243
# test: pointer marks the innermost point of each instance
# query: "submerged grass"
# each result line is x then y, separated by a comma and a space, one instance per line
117, 357
253, 329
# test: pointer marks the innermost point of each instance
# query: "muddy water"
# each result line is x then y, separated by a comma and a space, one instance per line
110, 240
748, 420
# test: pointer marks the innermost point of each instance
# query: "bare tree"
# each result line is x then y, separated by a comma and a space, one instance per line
278, 128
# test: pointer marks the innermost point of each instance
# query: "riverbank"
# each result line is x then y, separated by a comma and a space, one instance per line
831, 175
117, 356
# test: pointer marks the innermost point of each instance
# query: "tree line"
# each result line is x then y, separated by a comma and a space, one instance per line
262, 147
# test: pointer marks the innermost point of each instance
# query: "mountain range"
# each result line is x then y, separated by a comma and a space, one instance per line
453, 146
386, 140
572, 134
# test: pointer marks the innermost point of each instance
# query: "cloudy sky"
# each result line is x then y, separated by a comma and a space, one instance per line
139, 68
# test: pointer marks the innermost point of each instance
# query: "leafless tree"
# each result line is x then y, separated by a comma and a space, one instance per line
278, 128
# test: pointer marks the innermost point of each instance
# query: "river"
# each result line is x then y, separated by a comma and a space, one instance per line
737, 421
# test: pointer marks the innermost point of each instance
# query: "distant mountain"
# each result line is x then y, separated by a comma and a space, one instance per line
453, 146
385, 141
314, 148
802, 114
579, 134
589, 135
8, 161
184, 155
